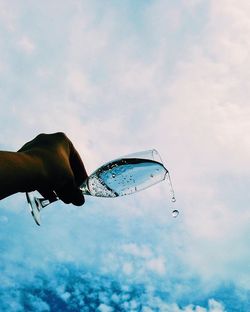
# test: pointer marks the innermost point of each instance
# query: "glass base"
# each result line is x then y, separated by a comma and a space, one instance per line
35, 207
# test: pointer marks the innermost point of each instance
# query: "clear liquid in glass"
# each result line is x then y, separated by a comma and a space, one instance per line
123, 177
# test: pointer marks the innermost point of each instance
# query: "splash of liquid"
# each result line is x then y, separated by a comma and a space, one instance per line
175, 212
173, 199
170, 187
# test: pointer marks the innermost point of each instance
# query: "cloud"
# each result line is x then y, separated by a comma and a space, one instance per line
157, 265
7, 16
37, 304
137, 251
26, 45
104, 308
118, 79
66, 288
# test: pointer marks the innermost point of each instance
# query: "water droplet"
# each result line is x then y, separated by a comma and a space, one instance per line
171, 187
175, 213
113, 175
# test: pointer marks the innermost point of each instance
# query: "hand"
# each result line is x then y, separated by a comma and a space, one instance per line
62, 170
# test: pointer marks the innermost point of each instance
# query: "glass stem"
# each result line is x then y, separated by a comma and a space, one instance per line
45, 202
84, 188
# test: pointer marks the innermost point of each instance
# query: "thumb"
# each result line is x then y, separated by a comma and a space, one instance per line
70, 193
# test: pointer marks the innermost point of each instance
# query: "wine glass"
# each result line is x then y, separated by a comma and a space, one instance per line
122, 176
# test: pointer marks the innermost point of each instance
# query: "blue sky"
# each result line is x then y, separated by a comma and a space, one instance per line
119, 77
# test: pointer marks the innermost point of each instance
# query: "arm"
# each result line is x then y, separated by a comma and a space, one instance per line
49, 164
19, 172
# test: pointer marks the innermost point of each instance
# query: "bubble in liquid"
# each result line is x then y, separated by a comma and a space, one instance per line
175, 213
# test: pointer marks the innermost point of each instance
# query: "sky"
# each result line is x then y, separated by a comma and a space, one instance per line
120, 77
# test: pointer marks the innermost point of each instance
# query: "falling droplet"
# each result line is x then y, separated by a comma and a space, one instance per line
175, 213
173, 199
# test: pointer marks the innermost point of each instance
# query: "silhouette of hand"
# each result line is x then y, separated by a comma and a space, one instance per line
61, 168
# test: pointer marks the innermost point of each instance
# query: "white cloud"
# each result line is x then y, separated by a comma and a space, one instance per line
215, 306
146, 309
26, 45
208, 126
137, 250
157, 265
105, 308
112, 92
66, 296
7, 16
127, 268
38, 304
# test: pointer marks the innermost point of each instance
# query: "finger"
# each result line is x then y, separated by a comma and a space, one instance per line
71, 194
77, 166
31, 143
25, 147
48, 194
